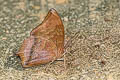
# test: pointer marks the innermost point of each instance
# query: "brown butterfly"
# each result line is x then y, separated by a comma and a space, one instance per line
46, 42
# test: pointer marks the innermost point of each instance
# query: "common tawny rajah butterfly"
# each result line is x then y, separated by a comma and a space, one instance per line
45, 43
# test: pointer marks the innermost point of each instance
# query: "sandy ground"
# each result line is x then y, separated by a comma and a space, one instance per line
92, 26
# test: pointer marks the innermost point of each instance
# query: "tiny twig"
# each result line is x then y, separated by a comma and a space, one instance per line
71, 39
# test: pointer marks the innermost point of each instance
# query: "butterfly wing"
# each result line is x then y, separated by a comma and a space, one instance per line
46, 42
51, 29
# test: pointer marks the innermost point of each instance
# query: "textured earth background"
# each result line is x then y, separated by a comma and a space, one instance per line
92, 28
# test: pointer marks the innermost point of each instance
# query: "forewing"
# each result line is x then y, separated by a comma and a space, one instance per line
51, 29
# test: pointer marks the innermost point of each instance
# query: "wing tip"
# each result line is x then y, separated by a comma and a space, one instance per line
54, 12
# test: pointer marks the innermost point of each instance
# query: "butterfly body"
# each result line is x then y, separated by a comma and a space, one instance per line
45, 43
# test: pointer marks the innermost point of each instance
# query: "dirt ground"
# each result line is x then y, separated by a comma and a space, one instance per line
92, 26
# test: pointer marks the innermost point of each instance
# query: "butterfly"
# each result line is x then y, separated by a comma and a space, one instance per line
45, 43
